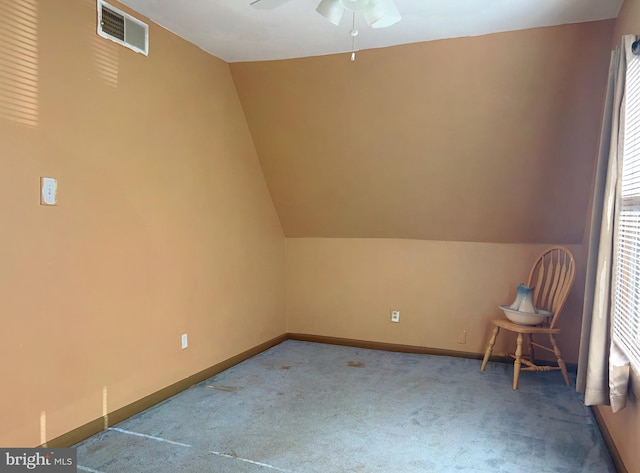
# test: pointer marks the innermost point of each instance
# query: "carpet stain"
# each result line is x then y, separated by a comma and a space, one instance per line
285, 367
228, 389
356, 364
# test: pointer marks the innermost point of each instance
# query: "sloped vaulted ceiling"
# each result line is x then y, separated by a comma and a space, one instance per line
490, 138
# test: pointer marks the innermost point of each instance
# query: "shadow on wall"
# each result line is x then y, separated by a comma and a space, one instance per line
19, 62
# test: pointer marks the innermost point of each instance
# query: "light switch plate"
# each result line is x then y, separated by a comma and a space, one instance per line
48, 191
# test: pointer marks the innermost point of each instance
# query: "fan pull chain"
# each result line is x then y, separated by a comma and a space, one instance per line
354, 33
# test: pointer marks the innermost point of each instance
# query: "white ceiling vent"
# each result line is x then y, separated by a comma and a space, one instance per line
122, 28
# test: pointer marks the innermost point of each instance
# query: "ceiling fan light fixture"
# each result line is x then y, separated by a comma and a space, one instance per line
332, 10
355, 5
377, 13
267, 4
382, 13
374, 13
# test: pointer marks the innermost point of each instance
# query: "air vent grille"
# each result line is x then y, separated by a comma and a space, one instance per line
112, 23
122, 28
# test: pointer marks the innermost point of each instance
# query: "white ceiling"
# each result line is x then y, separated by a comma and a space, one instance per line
236, 32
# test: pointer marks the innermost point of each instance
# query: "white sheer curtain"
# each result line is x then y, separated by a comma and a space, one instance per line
603, 371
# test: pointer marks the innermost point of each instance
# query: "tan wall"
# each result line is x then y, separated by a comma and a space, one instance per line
624, 426
345, 287
164, 223
628, 21
464, 157
487, 139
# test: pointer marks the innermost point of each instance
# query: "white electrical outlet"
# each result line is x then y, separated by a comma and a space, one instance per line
185, 341
395, 316
462, 337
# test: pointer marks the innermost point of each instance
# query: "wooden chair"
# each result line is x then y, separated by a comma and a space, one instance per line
552, 275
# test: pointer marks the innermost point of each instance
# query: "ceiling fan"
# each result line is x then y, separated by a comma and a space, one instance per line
377, 13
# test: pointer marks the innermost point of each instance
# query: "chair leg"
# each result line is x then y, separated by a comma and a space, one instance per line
517, 364
561, 364
492, 342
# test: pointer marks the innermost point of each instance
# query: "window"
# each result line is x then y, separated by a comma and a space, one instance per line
626, 304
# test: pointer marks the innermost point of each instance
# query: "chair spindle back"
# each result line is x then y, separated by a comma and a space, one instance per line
552, 275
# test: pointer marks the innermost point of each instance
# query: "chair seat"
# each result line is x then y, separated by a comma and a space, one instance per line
514, 327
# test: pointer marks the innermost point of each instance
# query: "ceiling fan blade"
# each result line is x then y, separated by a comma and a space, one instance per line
267, 4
